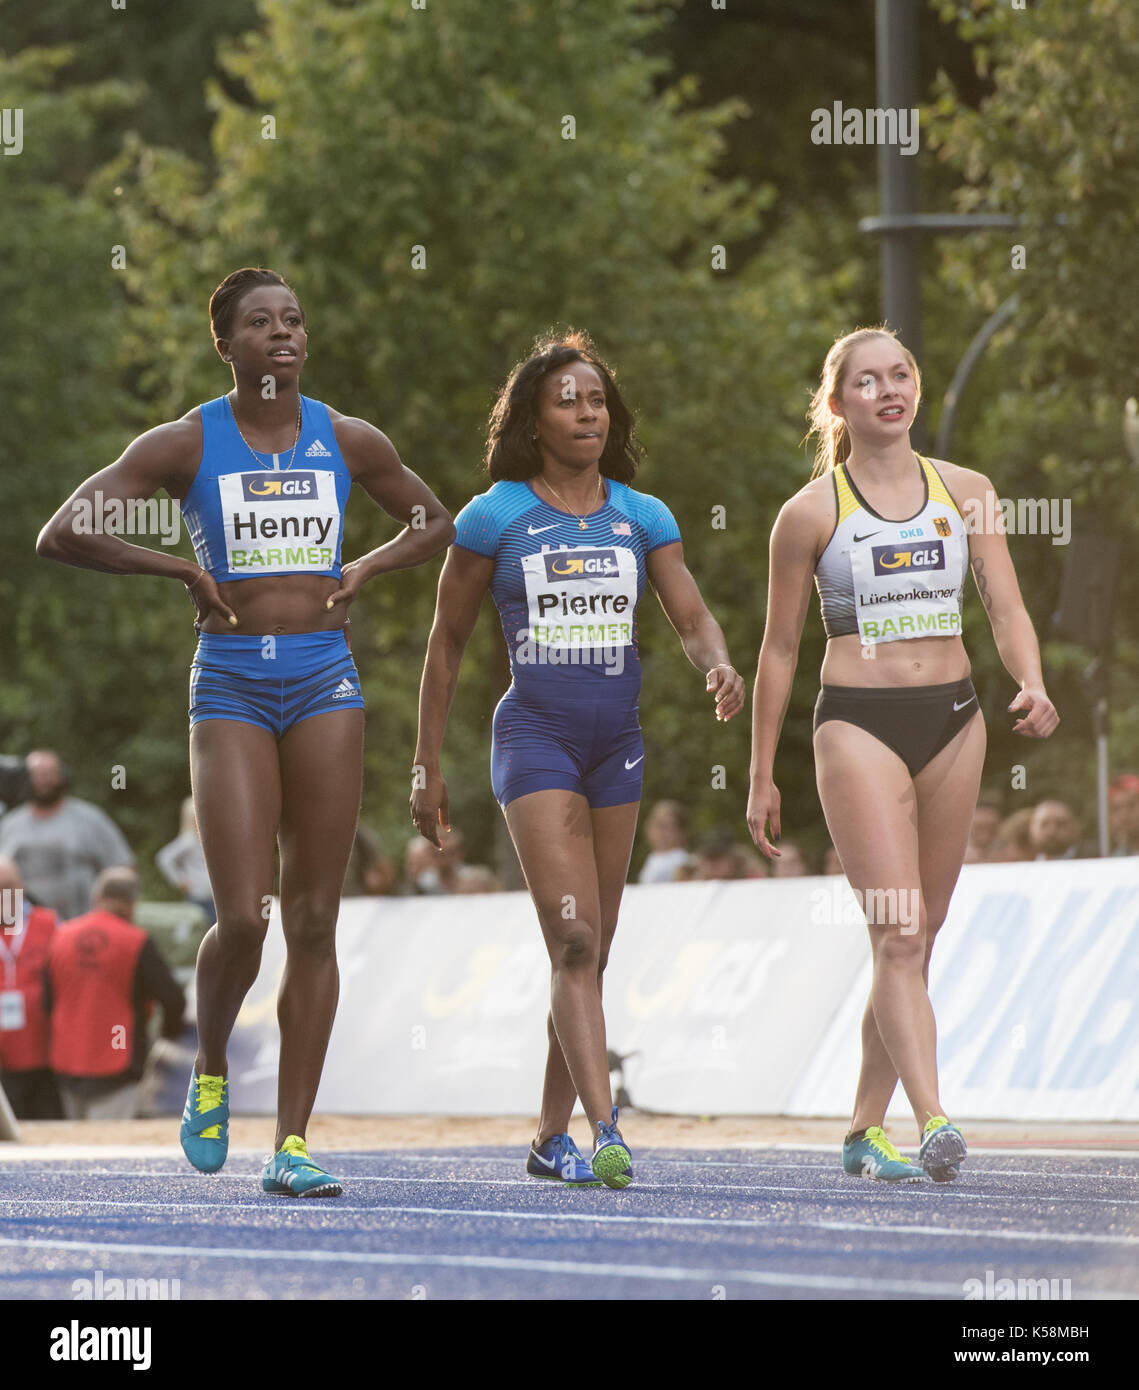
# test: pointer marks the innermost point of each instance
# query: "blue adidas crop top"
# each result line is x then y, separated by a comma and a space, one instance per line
246, 522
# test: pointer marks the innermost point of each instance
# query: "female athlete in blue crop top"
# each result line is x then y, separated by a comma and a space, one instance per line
276, 712
565, 545
899, 742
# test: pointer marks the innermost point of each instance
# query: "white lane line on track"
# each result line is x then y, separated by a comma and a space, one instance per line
664, 1273
1060, 1238
597, 1218
926, 1191
922, 1191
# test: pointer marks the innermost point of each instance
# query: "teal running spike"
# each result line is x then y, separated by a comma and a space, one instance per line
205, 1122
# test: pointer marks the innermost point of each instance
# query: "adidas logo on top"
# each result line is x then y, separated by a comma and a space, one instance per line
316, 450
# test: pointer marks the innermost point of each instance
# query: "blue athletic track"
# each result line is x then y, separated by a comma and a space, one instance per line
769, 1222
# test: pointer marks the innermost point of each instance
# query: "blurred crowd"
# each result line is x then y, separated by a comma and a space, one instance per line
79, 979
1046, 829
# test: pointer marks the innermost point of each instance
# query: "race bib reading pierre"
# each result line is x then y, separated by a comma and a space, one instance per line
580, 598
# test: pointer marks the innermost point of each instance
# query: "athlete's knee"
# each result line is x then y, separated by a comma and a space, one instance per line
898, 948
241, 931
310, 925
576, 948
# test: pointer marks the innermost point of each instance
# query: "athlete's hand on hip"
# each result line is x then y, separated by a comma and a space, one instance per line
352, 578
429, 805
207, 599
727, 685
763, 805
1040, 717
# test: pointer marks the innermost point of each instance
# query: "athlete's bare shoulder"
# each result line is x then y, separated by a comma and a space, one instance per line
166, 456
364, 447
807, 519
964, 484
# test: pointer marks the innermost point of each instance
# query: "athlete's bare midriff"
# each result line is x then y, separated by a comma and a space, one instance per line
272, 605
911, 661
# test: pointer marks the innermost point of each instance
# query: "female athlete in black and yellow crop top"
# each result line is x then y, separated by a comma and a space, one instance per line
886, 536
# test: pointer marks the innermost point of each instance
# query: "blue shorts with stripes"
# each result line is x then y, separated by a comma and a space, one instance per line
273, 682
594, 748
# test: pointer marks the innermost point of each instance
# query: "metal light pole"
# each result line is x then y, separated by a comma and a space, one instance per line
896, 60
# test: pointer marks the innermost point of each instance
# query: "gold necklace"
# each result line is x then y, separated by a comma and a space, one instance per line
253, 452
582, 524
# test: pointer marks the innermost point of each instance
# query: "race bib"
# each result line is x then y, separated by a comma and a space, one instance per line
12, 1017
275, 521
904, 590
581, 597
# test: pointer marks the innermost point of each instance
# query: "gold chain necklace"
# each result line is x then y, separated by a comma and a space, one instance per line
582, 524
253, 452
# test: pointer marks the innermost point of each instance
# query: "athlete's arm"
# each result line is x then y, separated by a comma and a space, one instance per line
161, 458
996, 581
462, 584
164, 457
374, 464
699, 632
793, 555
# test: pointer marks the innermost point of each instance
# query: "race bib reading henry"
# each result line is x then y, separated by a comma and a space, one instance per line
279, 521
580, 598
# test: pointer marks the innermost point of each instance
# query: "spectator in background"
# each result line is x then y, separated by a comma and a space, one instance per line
25, 942
983, 830
371, 872
1054, 831
477, 878
667, 832
791, 863
59, 842
103, 972
429, 870
1123, 814
183, 863
719, 856
1013, 842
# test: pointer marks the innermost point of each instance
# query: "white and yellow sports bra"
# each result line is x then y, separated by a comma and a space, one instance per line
890, 580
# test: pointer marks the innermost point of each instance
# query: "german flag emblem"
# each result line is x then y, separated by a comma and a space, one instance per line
941, 525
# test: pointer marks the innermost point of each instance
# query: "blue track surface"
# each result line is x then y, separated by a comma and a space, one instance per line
756, 1223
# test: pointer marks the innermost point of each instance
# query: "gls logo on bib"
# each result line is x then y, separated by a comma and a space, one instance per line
581, 597
891, 558
256, 486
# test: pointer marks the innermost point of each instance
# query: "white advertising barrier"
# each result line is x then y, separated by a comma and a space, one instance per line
735, 998
1035, 985
721, 990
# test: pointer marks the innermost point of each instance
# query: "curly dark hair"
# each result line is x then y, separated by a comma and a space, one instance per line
510, 448
227, 296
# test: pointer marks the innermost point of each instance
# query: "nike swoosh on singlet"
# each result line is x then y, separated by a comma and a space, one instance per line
867, 536
963, 703
534, 530
630, 765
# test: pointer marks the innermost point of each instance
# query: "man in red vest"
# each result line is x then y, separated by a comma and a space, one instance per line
103, 973
25, 940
